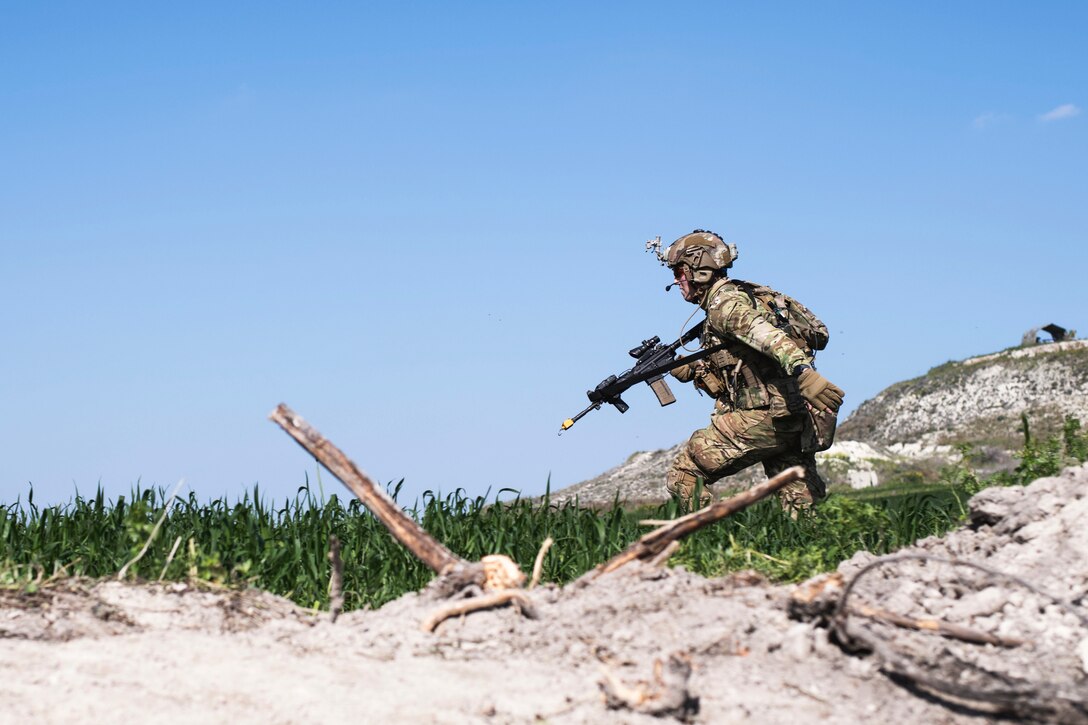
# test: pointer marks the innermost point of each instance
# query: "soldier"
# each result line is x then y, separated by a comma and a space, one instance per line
767, 392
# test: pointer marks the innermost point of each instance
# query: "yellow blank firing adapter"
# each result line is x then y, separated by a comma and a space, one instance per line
568, 423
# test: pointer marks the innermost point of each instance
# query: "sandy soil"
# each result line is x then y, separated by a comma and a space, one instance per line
82, 651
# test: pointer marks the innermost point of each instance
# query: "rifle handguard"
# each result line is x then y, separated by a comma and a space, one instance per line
653, 360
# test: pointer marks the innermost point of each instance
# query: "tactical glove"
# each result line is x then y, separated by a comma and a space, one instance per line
684, 373
820, 392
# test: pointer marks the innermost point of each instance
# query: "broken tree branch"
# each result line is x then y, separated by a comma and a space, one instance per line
404, 529
655, 542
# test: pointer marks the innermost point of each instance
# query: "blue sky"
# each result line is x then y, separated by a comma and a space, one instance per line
421, 224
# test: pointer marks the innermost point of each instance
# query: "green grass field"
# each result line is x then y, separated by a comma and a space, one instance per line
281, 547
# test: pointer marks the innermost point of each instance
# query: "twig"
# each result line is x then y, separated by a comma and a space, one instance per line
668, 551
807, 693
154, 531
193, 569
768, 557
403, 528
538, 565
170, 558
946, 629
336, 579
655, 542
485, 601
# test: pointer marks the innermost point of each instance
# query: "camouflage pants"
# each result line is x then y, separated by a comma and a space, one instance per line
736, 439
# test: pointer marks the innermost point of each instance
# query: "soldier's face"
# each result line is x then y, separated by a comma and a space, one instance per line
683, 279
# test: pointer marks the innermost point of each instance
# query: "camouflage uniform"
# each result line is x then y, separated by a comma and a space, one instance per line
758, 415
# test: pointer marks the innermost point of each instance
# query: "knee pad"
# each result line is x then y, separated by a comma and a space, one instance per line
704, 453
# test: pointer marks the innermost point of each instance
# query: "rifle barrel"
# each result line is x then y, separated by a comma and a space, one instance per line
618, 384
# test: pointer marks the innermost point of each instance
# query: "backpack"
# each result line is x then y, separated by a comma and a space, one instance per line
787, 314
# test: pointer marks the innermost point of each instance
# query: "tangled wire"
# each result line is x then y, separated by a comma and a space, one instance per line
956, 677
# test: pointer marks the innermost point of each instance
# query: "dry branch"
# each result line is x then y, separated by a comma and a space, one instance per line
538, 565
429, 550
657, 540
336, 579
170, 558
485, 601
667, 695
154, 531
946, 629
660, 559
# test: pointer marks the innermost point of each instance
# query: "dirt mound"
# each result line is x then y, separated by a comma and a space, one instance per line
75, 608
1033, 547
643, 641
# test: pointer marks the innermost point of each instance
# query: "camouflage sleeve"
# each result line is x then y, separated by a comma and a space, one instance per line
730, 313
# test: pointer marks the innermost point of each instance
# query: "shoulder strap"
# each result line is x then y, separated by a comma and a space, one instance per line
747, 288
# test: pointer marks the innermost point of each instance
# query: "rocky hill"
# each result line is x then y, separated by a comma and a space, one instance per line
979, 400
911, 429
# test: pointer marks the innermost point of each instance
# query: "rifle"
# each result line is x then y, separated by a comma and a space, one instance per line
652, 361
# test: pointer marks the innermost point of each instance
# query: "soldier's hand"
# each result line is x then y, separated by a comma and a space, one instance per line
684, 373
819, 391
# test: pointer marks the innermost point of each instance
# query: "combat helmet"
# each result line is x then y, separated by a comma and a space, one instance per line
703, 252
